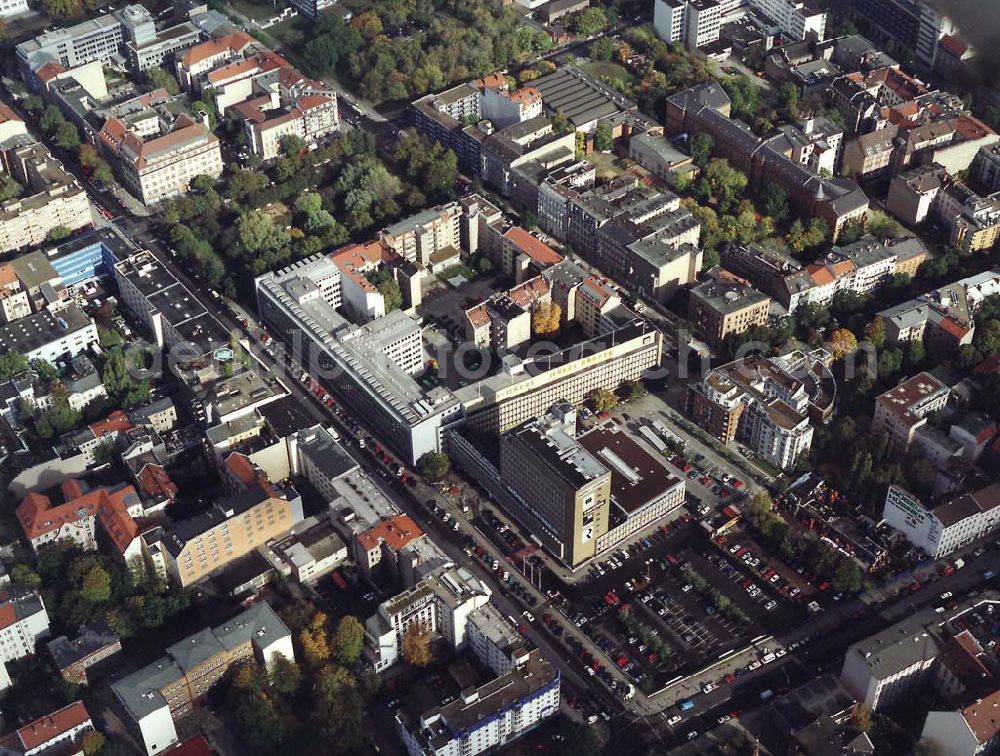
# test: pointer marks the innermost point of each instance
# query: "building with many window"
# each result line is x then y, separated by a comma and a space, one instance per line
797, 19
949, 525
760, 403
488, 716
726, 306
50, 335
693, 23
169, 688
92, 652
51, 198
161, 167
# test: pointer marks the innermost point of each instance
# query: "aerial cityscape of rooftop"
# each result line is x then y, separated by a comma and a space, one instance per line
439, 378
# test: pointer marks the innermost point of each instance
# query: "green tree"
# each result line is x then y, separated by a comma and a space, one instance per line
434, 466
257, 233
52, 119
96, 585
634, 390
285, 675
578, 740
701, 149
788, 100
349, 640
21, 574
58, 233
416, 646
160, 78
67, 137
391, 293
603, 137
587, 22
774, 202
12, 363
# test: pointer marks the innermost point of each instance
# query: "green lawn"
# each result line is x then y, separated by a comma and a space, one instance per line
287, 33
600, 69
256, 11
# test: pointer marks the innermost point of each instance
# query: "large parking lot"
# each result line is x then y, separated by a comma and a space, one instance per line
674, 601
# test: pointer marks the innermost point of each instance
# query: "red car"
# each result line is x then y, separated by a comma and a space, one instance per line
730, 678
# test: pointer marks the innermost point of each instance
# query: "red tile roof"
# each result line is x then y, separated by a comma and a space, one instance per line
53, 725
231, 42
540, 252
156, 482
953, 328
110, 506
49, 71
241, 467
196, 746
396, 532
8, 614
116, 422
6, 114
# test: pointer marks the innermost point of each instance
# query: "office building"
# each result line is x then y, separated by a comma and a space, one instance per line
693, 23
162, 166
797, 19
902, 410
910, 26
760, 403
564, 491
171, 313
373, 364
147, 48
50, 335
486, 717
93, 652
169, 688
97, 39
726, 306
312, 550
949, 525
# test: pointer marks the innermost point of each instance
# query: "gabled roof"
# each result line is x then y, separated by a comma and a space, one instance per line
234, 42
53, 726
110, 506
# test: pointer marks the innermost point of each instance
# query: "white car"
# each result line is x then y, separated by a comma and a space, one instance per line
674, 719
692, 735
708, 687
754, 665
528, 616
734, 548
687, 588
723, 718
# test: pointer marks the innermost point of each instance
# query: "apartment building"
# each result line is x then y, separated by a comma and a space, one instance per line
76, 520
503, 107
760, 403
949, 525
151, 699
23, 622
439, 603
384, 540
51, 197
706, 109
163, 166
726, 306
918, 654
10, 8
564, 491
236, 525
913, 193
426, 236
900, 411
488, 716
984, 172
61, 731
92, 652
147, 48
50, 335
504, 320
967, 731
14, 302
